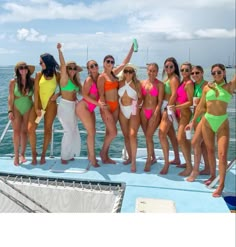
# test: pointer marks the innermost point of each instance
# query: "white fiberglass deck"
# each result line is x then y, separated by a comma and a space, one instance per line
187, 197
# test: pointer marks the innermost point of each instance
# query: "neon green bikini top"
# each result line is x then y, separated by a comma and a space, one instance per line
70, 86
222, 96
17, 92
167, 87
198, 89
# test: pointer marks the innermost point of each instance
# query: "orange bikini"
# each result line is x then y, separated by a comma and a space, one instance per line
110, 85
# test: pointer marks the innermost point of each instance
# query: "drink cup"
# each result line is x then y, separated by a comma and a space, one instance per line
195, 101
134, 107
135, 42
169, 111
188, 134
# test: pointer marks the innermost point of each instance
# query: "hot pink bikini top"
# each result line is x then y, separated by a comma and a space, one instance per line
182, 96
153, 91
94, 90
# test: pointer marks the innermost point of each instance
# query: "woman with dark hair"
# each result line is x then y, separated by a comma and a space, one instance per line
70, 86
85, 108
183, 113
21, 90
166, 127
129, 117
108, 88
46, 82
153, 94
213, 104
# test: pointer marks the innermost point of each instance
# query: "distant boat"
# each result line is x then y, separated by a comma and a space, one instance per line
229, 65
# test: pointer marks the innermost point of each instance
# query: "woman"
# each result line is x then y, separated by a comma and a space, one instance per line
153, 94
214, 102
199, 147
183, 113
166, 128
85, 108
20, 102
46, 82
70, 85
108, 88
129, 117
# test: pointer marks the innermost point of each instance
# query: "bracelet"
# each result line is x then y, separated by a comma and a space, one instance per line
9, 111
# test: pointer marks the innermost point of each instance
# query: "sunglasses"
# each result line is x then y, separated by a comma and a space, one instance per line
169, 66
128, 71
195, 73
110, 61
218, 72
93, 66
185, 70
70, 68
22, 67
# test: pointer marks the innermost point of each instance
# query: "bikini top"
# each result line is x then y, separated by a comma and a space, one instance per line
18, 93
198, 89
70, 86
129, 90
182, 96
94, 90
110, 85
153, 91
223, 95
167, 87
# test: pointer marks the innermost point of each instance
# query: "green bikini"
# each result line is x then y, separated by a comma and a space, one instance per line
22, 102
216, 121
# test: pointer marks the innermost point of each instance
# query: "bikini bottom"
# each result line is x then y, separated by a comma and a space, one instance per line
148, 113
113, 105
215, 121
126, 110
23, 104
91, 106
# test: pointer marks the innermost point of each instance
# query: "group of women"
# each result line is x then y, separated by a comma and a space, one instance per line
122, 97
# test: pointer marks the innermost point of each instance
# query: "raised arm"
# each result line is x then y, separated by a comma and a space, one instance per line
64, 76
118, 69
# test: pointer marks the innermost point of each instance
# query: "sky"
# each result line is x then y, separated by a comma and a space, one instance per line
199, 31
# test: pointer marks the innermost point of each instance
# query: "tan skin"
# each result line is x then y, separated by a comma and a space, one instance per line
184, 118
88, 118
66, 74
130, 126
51, 112
166, 127
217, 108
19, 122
149, 126
110, 118
199, 147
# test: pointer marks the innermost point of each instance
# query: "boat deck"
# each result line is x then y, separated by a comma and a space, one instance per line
187, 197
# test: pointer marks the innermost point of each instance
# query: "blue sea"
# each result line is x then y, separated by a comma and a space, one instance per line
6, 147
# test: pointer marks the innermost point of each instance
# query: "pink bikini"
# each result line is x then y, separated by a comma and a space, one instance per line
153, 92
94, 91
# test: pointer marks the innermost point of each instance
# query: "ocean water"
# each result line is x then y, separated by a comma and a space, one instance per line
6, 74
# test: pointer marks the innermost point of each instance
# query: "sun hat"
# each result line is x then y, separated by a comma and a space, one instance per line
31, 68
79, 69
130, 65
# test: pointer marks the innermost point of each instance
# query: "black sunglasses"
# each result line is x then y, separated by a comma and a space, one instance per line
130, 71
169, 66
195, 73
185, 70
218, 72
110, 61
74, 68
93, 65
22, 67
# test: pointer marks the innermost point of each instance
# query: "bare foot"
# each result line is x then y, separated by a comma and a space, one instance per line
153, 161
186, 172
209, 180
94, 163
64, 162
192, 176
181, 165
126, 162
22, 158
217, 192
133, 169
16, 161
147, 167
164, 169
174, 162
34, 160
42, 160
205, 172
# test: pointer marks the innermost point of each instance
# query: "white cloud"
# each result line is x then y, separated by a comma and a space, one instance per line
215, 33
7, 51
30, 35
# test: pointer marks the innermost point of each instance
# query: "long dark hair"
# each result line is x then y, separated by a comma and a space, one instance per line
51, 65
173, 60
105, 58
29, 85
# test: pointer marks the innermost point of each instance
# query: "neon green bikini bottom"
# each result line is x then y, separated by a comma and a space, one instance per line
23, 104
215, 121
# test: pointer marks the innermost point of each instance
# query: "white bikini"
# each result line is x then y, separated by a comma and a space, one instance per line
127, 110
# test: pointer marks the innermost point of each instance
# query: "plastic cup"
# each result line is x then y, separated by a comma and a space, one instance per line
169, 111
134, 107
188, 134
195, 101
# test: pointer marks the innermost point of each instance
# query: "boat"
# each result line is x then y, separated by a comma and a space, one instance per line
78, 187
